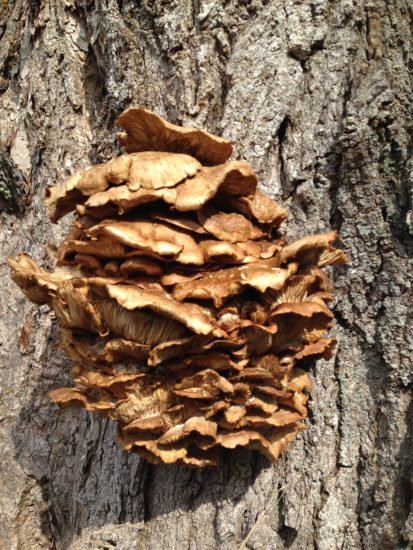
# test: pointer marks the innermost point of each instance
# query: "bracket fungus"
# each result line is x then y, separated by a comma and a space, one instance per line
187, 317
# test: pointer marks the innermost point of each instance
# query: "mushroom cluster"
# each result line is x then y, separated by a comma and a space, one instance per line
185, 314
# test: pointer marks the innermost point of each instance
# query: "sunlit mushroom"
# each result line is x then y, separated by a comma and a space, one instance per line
188, 320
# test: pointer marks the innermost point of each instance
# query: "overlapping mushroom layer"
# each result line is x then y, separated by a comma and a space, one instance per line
185, 314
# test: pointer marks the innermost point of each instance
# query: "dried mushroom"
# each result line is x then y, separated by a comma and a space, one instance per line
187, 318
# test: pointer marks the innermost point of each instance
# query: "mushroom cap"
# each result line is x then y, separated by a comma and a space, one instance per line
146, 131
195, 317
178, 182
229, 227
315, 249
148, 170
225, 283
258, 206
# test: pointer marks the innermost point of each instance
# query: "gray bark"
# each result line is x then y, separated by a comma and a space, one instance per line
317, 96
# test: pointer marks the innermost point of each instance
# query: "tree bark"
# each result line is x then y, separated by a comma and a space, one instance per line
317, 97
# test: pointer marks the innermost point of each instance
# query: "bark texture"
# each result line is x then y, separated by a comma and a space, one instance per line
317, 97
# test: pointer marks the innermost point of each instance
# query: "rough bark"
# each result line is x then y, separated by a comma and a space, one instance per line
317, 97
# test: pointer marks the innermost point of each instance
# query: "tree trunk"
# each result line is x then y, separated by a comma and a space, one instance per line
317, 97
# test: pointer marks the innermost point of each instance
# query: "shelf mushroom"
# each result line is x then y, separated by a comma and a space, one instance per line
187, 317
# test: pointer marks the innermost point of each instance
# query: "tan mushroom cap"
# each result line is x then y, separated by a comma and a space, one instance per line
280, 418
175, 348
217, 359
195, 317
89, 262
179, 220
138, 264
37, 283
93, 350
315, 249
77, 397
149, 170
220, 285
113, 239
298, 288
196, 424
190, 346
232, 179
60, 199
322, 347
271, 444
227, 227
207, 384
111, 384
151, 238
152, 170
258, 206
119, 348
302, 309
221, 252
146, 131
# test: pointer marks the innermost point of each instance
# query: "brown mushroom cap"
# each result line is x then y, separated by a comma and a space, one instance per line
151, 238
225, 283
229, 180
193, 316
227, 227
146, 131
315, 250
149, 170
257, 206
232, 179
35, 282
